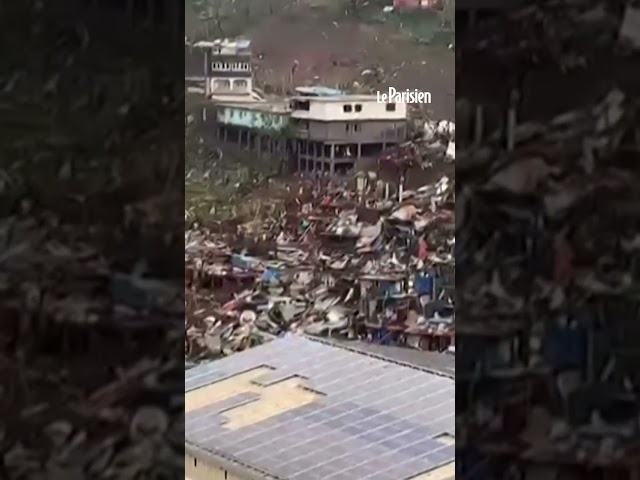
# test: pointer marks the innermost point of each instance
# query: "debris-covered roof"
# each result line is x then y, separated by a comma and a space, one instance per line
226, 46
299, 409
318, 91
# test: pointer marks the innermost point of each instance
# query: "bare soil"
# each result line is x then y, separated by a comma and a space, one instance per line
333, 49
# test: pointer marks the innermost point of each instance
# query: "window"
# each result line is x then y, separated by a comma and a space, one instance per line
346, 127
195, 462
356, 127
346, 108
301, 105
240, 84
391, 107
221, 85
358, 107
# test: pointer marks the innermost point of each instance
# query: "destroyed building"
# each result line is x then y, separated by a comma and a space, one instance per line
298, 408
335, 260
258, 127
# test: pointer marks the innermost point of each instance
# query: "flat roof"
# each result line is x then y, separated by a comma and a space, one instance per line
319, 91
273, 107
301, 409
338, 98
246, 99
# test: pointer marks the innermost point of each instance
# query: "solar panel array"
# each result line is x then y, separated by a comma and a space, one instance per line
375, 420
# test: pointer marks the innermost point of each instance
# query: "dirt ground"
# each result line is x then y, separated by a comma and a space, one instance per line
333, 49
322, 57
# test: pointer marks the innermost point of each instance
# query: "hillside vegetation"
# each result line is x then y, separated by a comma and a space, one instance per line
350, 44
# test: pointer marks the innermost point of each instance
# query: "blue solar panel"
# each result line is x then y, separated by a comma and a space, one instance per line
375, 419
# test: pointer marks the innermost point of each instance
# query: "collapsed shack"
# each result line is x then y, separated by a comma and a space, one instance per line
345, 259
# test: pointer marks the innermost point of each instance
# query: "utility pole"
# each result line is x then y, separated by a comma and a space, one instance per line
401, 185
207, 86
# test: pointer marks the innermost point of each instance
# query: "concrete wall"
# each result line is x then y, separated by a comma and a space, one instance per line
242, 117
231, 85
197, 469
333, 110
355, 132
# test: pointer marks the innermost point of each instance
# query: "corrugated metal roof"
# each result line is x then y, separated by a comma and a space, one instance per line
339, 414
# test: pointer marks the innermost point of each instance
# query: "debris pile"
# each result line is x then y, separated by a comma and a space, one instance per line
547, 249
356, 259
434, 145
91, 384
67, 307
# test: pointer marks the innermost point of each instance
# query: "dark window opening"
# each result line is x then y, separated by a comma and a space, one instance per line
356, 127
346, 127
195, 462
300, 105
358, 107
391, 107
346, 108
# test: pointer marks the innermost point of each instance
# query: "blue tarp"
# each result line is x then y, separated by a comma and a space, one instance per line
271, 275
242, 262
387, 289
424, 284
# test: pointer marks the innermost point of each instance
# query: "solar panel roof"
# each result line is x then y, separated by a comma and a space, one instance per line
443, 363
311, 411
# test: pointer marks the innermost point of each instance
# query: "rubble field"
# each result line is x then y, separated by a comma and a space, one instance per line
362, 258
